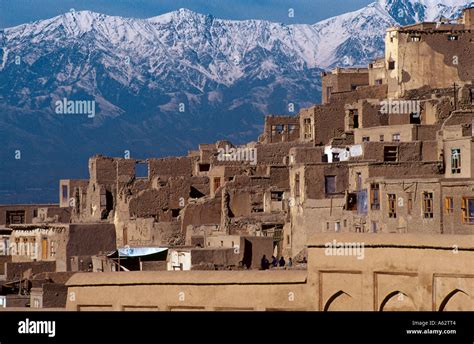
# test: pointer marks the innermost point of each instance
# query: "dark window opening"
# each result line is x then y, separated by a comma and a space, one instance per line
351, 201
409, 203
335, 157
174, 213
217, 183
391, 65
330, 184
453, 37
204, 167
15, 217
415, 118
356, 121
64, 192
195, 193
278, 129
390, 153
428, 205
277, 196
365, 139
109, 204
374, 196
392, 210
455, 161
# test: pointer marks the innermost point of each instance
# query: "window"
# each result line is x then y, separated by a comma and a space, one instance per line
409, 203
381, 138
396, 137
358, 181
390, 153
280, 128
287, 239
217, 183
64, 192
391, 65
277, 196
337, 226
374, 196
467, 208
354, 114
297, 185
448, 205
330, 184
365, 139
308, 129
327, 226
392, 205
345, 223
428, 205
291, 128
453, 38
174, 213
328, 93
335, 157
415, 118
455, 161
378, 81
204, 167
15, 217
415, 38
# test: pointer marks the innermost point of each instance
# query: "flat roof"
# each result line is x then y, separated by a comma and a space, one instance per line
435, 241
192, 277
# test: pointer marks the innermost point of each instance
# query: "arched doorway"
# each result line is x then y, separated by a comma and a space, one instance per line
340, 301
457, 300
397, 301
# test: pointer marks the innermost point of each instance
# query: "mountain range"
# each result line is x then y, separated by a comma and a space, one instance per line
164, 84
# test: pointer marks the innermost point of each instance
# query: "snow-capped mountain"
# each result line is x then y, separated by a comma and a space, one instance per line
357, 37
164, 84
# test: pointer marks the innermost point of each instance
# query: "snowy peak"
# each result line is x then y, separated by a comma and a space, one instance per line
411, 11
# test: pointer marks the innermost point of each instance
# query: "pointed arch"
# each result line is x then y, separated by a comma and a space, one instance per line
331, 300
448, 298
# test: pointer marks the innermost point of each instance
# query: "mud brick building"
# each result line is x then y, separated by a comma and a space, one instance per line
386, 159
